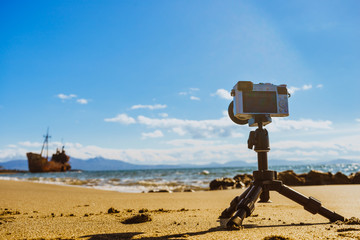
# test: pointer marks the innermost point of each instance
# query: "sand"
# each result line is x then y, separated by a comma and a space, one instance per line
40, 211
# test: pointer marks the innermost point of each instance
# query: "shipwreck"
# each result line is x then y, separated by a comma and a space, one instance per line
59, 161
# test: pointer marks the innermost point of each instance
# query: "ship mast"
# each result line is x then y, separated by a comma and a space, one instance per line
46, 142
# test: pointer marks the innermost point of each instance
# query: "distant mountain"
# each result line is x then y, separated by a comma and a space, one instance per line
15, 164
102, 164
238, 164
339, 161
279, 162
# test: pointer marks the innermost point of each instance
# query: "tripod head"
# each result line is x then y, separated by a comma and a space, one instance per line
259, 139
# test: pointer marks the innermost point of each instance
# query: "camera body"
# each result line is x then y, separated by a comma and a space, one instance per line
265, 99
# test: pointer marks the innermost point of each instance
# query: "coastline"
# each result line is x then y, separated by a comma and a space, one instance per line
35, 210
190, 179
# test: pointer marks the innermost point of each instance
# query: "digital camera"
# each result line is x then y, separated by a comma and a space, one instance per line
251, 100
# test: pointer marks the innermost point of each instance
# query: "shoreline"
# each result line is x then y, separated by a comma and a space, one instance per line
46, 211
177, 181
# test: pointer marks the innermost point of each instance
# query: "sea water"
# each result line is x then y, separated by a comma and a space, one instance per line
137, 181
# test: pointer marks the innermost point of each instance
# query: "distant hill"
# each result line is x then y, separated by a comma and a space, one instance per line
15, 164
102, 164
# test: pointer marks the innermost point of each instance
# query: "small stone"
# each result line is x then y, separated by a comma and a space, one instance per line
143, 210
112, 210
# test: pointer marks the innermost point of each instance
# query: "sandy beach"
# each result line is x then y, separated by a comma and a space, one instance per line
43, 211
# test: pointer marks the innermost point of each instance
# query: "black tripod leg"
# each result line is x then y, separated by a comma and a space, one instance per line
310, 204
228, 212
245, 207
265, 196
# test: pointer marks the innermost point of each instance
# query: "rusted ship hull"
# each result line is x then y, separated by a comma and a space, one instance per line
58, 163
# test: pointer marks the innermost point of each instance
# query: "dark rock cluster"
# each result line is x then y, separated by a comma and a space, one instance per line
290, 178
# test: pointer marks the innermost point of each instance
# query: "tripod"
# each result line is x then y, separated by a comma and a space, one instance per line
264, 181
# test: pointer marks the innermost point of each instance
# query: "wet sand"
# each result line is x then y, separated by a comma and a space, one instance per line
41, 211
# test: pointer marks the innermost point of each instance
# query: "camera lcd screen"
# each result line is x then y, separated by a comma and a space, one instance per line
259, 102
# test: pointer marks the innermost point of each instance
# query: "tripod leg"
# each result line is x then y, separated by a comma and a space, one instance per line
245, 207
228, 212
265, 196
310, 204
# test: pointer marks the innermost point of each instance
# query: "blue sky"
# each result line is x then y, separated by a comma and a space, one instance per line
148, 81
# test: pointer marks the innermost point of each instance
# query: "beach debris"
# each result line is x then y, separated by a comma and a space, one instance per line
349, 221
318, 178
222, 183
143, 210
244, 178
289, 177
205, 172
113, 210
9, 212
140, 218
355, 178
347, 229
164, 191
6, 215
352, 221
276, 237
340, 178
160, 191
189, 190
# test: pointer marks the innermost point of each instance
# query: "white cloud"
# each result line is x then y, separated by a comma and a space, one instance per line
222, 127
204, 151
121, 118
305, 87
358, 119
164, 115
222, 93
189, 92
212, 128
82, 101
30, 144
155, 134
194, 98
38, 145
151, 107
280, 124
292, 90
65, 97
191, 142
319, 86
